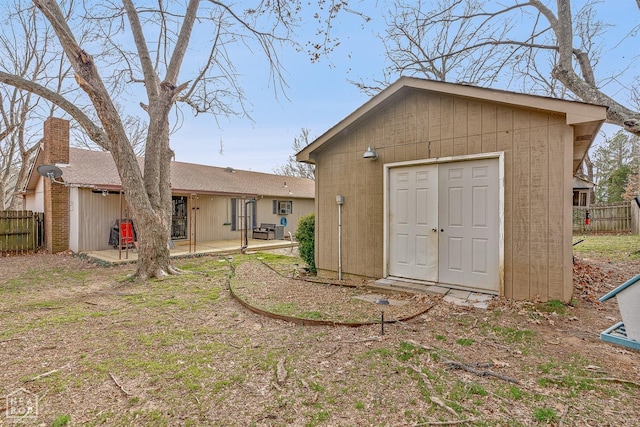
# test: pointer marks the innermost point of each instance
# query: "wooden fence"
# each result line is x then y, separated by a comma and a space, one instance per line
614, 218
20, 232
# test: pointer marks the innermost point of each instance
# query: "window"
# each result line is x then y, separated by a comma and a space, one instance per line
580, 198
282, 207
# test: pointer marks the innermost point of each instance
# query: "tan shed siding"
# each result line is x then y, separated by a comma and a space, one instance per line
566, 136
537, 178
539, 213
557, 199
327, 224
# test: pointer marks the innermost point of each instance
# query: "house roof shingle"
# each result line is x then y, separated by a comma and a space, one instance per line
97, 169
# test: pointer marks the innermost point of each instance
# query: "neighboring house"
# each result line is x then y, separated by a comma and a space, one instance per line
209, 202
459, 185
582, 190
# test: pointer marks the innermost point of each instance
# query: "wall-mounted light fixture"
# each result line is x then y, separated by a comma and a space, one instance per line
370, 154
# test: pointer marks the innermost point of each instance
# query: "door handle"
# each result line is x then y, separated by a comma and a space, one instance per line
434, 229
442, 230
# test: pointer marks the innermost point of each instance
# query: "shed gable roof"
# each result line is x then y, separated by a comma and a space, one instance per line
97, 169
585, 118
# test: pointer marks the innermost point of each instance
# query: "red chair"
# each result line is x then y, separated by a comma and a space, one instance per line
126, 234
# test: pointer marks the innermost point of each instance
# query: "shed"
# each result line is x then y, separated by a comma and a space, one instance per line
628, 297
449, 184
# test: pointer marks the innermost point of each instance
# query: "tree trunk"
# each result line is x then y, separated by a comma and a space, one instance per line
153, 236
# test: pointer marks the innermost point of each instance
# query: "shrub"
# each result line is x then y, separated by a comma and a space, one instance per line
305, 235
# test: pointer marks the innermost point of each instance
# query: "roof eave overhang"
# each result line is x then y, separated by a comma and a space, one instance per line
583, 136
586, 119
32, 177
213, 193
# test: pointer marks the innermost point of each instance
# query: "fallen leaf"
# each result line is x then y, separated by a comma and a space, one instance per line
500, 364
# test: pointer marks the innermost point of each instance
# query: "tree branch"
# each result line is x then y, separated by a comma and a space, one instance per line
96, 133
150, 77
183, 41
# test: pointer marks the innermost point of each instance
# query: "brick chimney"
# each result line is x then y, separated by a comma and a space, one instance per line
56, 196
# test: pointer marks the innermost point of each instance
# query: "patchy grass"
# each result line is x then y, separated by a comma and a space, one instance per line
266, 289
465, 341
613, 247
553, 306
513, 335
61, 421
546, 415
100, 350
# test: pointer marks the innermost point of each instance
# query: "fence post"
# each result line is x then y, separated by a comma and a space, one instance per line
635, 215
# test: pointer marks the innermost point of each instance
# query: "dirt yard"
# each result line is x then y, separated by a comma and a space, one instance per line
95, 348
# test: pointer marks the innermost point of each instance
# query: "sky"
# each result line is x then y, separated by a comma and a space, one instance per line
319, 94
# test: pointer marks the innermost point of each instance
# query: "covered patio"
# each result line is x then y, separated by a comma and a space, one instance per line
186, 249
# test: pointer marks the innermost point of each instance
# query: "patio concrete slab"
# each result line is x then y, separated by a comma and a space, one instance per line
184, 249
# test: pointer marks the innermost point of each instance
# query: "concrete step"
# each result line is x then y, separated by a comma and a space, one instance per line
454, 296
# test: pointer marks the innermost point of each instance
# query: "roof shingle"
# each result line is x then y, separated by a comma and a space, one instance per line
97, 168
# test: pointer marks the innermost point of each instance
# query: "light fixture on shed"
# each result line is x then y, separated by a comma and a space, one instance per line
370, 154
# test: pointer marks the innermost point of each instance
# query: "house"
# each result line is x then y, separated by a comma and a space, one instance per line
450, 184
582, 190
209, 203
628, 297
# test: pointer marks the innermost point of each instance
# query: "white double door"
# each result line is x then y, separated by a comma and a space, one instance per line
444, 223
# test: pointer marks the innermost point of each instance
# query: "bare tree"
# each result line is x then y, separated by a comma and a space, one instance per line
528, 45
142, 48
293, 167
24, 51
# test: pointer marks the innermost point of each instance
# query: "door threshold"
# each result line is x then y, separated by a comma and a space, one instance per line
462, 297
402, 284
426, 283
